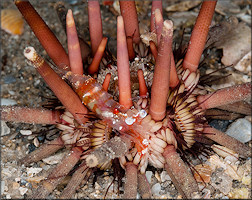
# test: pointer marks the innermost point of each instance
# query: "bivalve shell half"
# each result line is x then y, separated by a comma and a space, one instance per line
202, 173
223, 151
12, 21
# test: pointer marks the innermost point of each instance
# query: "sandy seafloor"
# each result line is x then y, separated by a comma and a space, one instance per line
21, 85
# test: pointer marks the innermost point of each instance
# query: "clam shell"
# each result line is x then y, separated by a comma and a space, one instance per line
204, 172
223, 151
12, 21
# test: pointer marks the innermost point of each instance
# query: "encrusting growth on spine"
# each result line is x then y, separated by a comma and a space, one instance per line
114, 148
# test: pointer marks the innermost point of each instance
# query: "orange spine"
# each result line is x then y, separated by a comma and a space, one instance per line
199, 36
45, 36
95, 24
129, 13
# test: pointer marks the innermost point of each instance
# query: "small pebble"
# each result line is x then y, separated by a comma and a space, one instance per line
244, 65
246, 180
23, 190
33, 171
36, 179
41, 138
31, 148
239, 193
156, 189
149, 175
31, 137
206, 193
221, 181
72, 2
9, 79
54, 159
17, 179
97, 186
164, 176
2, 187
5, 130
11, 92
36, 142
240, 130
23, 182
157, 176
15, 185
219, 124
26, 132
7, 102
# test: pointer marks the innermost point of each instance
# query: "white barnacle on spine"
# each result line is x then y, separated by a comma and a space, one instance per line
30, 53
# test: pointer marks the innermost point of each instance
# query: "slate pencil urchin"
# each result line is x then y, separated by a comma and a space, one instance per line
155, 127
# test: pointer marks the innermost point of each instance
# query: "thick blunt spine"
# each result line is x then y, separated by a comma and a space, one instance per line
160, 86
60, 88
45, 36
199, 35
29, 115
